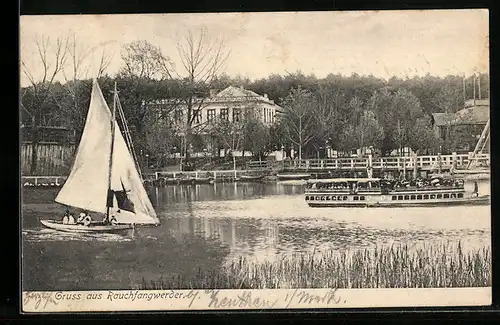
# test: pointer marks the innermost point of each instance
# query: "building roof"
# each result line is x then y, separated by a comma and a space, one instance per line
470, 115
477, 102
441, 119
232, 91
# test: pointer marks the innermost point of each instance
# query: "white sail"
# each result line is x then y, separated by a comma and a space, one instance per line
87, 184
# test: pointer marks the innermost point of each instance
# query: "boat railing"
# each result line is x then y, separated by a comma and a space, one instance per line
425, 188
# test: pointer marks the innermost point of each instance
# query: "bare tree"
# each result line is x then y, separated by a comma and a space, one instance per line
202, 60
50, 58
299, 119
144, 60
81, 60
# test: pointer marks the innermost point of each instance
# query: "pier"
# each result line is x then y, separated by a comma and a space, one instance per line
443, 163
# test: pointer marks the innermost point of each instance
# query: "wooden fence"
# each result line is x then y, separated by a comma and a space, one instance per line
444, 162
53, 158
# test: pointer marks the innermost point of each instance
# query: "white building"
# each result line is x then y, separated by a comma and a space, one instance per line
232, 103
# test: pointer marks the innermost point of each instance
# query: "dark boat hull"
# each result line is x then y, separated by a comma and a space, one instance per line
293, 177
245, 178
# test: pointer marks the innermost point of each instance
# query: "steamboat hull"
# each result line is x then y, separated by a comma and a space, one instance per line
483, 200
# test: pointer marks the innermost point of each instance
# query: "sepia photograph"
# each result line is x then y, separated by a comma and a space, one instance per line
255, 160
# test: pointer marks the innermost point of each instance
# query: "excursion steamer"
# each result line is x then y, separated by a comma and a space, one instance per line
375, 192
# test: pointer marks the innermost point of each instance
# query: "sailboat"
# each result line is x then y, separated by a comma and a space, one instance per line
104, 179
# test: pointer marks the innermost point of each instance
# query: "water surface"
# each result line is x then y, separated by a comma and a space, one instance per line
205, 226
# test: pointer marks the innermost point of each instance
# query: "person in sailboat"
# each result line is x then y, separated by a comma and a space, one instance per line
113, 220
67, 218
81, 216
71, 219
84, 219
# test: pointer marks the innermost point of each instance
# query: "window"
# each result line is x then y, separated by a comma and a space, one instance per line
433, 196
453, 196
440, 196
412, 197
400, 197
447, 196
236, 114
307, 197
224, 114
356, 198
328, 198
460, 195
394, 198
345, 198
419, 197
407, 197
426, 197
210, 115
362, 198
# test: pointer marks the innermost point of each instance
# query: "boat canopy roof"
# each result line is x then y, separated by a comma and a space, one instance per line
343, 180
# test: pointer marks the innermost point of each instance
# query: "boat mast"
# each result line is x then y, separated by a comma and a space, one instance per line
115, 92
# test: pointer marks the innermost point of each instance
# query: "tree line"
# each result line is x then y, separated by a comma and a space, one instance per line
341, 112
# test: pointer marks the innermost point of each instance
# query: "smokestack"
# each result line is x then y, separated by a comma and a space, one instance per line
479, 85
465, 94
474, 92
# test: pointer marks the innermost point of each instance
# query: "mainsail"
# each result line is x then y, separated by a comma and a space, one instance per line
87, 184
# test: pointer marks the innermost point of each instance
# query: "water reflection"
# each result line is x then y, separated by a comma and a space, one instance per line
262, 220
201, 223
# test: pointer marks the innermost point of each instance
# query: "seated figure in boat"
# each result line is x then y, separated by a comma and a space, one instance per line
84, 219
68, 218
71, 219
110, 220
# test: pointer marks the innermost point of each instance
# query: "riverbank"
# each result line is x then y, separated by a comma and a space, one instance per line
442, 265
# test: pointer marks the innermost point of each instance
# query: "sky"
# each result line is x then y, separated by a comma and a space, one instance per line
378, 43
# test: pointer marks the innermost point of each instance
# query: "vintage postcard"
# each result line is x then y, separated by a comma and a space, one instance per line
255, 160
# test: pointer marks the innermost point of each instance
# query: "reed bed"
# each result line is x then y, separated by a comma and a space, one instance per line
395, 266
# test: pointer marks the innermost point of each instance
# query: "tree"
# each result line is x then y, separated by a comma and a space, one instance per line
298, 119
144, 81
397, 111
257, 138
369, 130
51, 58
421, 137
160, 137
143, 60
74, 96
229, 133
202, 60
328, 111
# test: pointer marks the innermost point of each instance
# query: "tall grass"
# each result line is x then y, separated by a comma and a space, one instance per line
396, 266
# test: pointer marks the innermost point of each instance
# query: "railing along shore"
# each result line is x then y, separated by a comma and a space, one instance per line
271, 168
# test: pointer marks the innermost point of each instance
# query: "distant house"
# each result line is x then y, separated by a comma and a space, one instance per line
473, 117
232, 104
